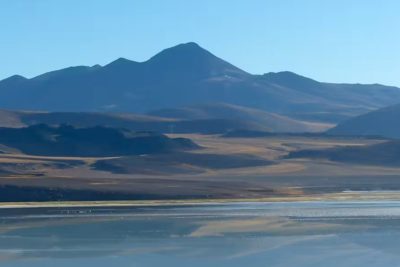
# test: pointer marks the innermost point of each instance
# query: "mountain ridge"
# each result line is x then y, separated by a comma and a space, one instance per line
187, 74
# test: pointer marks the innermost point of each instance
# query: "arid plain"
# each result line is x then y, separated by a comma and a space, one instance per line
266, 171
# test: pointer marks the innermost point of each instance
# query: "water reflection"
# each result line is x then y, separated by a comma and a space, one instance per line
274, 234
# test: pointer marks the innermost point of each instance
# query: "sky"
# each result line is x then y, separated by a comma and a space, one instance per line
353, 41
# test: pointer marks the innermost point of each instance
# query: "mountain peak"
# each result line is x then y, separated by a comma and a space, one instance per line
12, 81
190, 44
15, 78
190, 49
193, 60
121, 62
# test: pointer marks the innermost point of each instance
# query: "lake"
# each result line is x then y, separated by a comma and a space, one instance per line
238, 234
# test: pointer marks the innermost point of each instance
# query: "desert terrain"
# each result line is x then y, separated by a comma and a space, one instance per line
212, 172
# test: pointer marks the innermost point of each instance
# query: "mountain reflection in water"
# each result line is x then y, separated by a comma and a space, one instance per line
256, 234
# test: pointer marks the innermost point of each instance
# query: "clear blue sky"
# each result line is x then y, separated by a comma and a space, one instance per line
329, 40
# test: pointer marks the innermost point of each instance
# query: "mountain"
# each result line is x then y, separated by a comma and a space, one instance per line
186, 75
382, 122
261, 119
382, 154
89, 142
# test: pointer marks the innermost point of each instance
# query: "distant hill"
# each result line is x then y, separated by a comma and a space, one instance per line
262, 119
135, 122
207, 118
186, 75
89, 142
383, 122
384, 154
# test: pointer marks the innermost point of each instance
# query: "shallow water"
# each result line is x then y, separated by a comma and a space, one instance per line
253, 234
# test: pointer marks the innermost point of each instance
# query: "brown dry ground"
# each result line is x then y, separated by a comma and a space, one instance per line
284, 178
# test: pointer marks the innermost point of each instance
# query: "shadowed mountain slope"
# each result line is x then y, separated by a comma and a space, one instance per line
89, 142
383, 122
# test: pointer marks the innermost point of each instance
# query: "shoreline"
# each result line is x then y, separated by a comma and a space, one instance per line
346, 196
